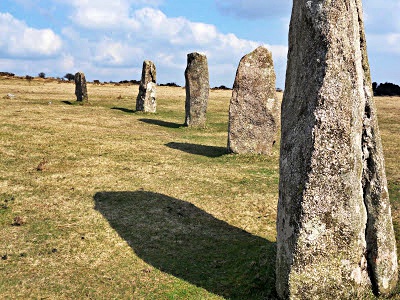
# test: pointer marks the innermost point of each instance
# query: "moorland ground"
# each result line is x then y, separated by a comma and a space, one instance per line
98, 201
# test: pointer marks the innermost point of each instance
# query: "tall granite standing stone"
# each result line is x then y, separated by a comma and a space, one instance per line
197, 90
146, 99
335, 237
254, 108
80, 87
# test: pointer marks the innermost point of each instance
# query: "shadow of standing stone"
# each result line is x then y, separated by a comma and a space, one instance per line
335, 238
146, 99
204, 150
81, 88
254, 108
197, 90
185, 241
161, 123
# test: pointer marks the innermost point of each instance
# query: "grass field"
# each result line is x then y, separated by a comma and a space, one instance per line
129, 205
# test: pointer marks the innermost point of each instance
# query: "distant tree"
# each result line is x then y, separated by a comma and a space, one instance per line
29, 78
69, 76
221, 87
8, 74
387, 89
42, 75
374, 86
173, 84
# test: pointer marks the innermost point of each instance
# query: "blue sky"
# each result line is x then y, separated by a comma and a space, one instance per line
108, 40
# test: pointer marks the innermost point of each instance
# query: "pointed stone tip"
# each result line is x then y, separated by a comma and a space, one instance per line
262, 49
261, 55
196, 54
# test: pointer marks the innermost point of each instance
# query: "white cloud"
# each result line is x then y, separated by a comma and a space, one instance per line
18, 40
67, 63
105, 14
147, 33
110, 53
154, 23
141, 3
101, 14
108, 40
393, 39
391, 42
202, 33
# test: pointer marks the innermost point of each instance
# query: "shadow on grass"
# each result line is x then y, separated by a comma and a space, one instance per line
125, 110
209, 151
67, 102
178, 238
161, 123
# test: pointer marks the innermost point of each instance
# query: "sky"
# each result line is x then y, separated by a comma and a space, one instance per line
109, 39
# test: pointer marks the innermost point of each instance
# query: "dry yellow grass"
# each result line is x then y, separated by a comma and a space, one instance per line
135, 206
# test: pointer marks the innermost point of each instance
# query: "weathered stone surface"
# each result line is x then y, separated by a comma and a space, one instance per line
335, 237
197, 90
146, 99
254, 108
80, 87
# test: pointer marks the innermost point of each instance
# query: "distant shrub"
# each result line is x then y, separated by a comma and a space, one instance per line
27, 77
124, 82
279, 90
42, 75
169, 84
386, 89
69, 76
221, 87
374, 86
135, 81
96, 81
8, 74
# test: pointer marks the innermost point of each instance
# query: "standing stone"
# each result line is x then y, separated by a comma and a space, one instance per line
335, 237
80, 87
197, 90
146, 99
254, 108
